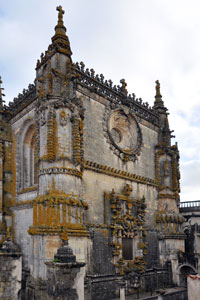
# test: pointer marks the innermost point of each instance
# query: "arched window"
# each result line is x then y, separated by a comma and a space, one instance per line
28, 157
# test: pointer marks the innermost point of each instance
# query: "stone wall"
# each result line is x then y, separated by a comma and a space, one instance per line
96, 144
10, 272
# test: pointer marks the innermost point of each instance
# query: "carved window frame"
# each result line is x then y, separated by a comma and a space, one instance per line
26, 143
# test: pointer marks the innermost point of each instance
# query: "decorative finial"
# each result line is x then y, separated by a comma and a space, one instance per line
123, 87
60, 39
158, 103
158, 94
60, 28
1, 95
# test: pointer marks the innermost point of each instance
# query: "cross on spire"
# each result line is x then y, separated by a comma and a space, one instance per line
60, 39
60, 13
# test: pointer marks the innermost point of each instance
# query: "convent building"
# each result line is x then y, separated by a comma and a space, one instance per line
86, 166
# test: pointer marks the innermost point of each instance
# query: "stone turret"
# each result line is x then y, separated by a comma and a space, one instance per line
59, 139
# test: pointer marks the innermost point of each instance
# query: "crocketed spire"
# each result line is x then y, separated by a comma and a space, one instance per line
60, 42
60, 38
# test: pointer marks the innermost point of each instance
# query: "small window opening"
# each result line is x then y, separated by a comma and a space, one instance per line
127, 248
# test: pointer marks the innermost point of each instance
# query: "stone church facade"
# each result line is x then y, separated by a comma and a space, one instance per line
84, 161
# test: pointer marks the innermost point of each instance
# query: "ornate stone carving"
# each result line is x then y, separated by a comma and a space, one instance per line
116, 94
69, 171
123, 132
118, 173
125, 217
63, 118
56, 212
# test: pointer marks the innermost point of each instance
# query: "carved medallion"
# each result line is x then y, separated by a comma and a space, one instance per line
63, 118
124, 134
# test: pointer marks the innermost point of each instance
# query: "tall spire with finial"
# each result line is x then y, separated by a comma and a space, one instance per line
1, 95
60, 39
158, 103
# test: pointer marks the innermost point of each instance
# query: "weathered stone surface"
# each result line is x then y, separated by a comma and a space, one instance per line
10, 271
68, 141
62, 274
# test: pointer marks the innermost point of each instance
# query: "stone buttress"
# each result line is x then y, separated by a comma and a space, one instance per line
167, 219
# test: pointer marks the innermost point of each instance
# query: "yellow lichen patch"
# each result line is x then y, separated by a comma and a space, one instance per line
76, 140
28, 189
56, 209
8, 157
55, 197
52, 139
62, 114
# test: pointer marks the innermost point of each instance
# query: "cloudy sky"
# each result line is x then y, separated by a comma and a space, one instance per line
139, 40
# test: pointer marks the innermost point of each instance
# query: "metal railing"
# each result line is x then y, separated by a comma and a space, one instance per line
190, 204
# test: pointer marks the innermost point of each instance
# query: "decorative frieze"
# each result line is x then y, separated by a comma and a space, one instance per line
169, 223
27, 96
57, 170
57, 211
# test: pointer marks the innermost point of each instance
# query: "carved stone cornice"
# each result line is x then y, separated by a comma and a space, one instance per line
71, 230
21, 101
116, 94
57, 170
118, 173
28, 189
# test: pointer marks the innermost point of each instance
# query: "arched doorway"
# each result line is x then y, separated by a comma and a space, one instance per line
184, 271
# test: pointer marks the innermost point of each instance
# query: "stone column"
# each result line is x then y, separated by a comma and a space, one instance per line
65, 281
10, 271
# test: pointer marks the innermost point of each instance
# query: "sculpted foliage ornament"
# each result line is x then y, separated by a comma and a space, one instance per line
126, 216
123, 133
